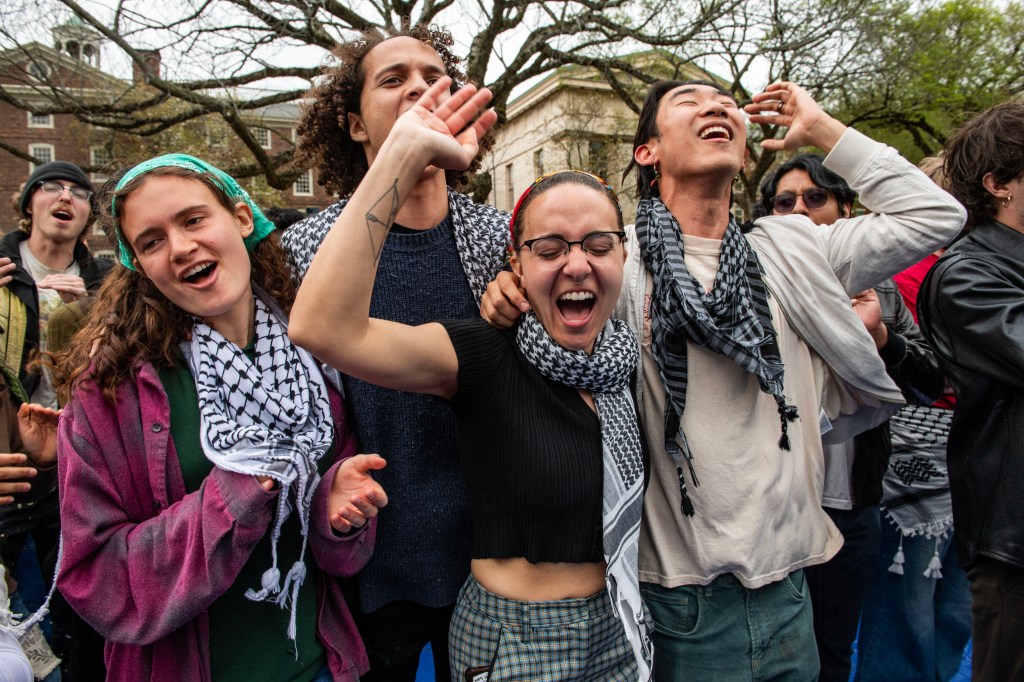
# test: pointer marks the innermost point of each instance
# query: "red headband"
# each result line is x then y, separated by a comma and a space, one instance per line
526, 192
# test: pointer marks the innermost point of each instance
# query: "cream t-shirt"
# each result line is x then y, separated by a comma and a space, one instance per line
758, 508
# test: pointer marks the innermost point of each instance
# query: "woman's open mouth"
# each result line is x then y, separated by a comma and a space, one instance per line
199, 273
576, 306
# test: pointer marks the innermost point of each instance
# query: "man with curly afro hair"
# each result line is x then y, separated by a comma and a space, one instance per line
429, 270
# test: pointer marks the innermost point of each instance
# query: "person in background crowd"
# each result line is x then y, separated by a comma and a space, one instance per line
916, 618
854, 467
51, 266
971, 308
201, 452
406, 595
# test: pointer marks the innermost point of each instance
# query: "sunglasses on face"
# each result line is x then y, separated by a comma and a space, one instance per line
815, 197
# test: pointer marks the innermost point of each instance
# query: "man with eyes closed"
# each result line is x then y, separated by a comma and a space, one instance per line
749, 350
405, 596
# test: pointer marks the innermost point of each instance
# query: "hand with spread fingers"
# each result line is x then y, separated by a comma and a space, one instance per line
355, 497
447, 128
787, 104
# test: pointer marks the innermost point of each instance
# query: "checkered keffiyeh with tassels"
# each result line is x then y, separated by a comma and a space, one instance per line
606, 374
270, 416
732, 319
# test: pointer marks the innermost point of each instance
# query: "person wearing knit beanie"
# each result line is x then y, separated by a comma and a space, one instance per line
55, 170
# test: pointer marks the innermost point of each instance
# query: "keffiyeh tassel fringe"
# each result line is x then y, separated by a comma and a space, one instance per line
934, 570
787, 413
898, 560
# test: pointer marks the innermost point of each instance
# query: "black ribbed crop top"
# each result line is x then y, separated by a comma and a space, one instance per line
531, 453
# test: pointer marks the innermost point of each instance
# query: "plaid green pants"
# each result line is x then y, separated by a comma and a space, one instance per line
537, 641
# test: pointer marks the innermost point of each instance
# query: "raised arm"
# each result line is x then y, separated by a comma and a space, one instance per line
331, 312
908, 217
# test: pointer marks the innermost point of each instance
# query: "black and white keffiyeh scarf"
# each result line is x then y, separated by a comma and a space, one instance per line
481, 239
915, 488
267, 417
732, 319
606, 374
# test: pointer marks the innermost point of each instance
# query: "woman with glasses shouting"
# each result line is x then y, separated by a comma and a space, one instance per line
551, 450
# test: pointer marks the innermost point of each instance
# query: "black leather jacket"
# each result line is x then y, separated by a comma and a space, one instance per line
971, 308
912, 366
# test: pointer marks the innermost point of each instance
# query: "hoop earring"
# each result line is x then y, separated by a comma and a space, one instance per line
1006, 201
736, 179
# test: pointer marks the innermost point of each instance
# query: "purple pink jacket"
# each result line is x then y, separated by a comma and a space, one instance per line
143, 560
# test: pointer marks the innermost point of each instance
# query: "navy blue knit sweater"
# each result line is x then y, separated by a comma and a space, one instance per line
424, 535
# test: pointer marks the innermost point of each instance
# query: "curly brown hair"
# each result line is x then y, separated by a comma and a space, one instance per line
991, 142
324, 141
130, 322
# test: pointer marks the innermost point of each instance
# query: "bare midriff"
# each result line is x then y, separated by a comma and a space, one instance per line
519, 579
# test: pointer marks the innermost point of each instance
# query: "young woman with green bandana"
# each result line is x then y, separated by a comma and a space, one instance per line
202, 453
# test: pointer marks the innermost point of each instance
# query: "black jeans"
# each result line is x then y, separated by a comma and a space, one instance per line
838, 587
394, 636
998, 610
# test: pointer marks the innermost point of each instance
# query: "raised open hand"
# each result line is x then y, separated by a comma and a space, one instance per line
447, 130
355, 497
787, 104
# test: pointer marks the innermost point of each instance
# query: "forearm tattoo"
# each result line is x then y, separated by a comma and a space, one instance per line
383, 213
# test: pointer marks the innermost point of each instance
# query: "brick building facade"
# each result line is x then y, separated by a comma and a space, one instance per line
36, 76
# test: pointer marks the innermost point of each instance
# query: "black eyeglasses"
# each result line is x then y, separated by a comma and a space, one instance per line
554, 248
56, 188
814, 197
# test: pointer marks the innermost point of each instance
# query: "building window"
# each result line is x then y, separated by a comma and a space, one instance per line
262, 136
510, 192
43, 152
40, 120
100, 157
38, 70
303, 186
538, 163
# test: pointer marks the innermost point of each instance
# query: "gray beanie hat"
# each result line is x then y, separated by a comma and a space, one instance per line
55, 170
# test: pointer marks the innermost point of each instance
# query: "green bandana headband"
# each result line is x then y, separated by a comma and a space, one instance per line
262, 226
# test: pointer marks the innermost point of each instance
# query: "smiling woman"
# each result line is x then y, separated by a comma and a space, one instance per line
202, 451
551, 451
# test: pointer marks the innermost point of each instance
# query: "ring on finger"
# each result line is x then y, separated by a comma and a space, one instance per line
779, 107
